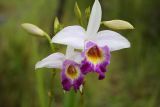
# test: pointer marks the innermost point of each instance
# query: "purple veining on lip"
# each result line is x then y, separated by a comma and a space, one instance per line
68, 81
100, 67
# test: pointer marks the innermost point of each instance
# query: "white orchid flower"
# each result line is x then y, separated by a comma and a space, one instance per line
69, 64
96, 45
76, 35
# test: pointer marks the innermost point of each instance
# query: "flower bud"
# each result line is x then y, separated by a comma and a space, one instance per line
77, 11
81, 89
56, 25
33, 29
118, 24
88, 12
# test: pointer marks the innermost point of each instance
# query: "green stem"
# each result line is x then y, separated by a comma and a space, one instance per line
50, 42
81, 100
51, 94
70, 99
41, 90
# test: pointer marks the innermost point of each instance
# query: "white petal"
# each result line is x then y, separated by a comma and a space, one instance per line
52, 61
77, 57
69, 51
95, 19
72, 35
73, 55
112, 39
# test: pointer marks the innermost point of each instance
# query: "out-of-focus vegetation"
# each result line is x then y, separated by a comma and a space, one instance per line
133, 79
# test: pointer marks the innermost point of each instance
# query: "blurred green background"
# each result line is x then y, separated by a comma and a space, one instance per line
133, 79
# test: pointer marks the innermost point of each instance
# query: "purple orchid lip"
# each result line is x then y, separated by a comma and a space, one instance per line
96, 59
71, 75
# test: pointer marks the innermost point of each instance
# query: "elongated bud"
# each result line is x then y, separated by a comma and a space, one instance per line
118, 24
77, 11
33, 29
81, 89
88, 12
64, 91
56, 25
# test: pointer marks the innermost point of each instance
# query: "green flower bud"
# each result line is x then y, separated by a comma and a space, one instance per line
77, 11
56, 25
88, 12
78, 14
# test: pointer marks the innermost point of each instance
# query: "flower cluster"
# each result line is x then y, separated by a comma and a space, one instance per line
95, 55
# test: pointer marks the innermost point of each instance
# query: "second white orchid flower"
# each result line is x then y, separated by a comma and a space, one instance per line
69, 64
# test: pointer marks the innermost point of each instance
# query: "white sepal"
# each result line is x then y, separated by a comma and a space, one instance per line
95, 19
52, 61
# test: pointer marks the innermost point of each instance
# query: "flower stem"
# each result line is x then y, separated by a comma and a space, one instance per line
51, 93
40, 89
81, 99
70, 99
50, 42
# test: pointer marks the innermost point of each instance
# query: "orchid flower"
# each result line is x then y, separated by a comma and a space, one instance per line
96, 45
71, 74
